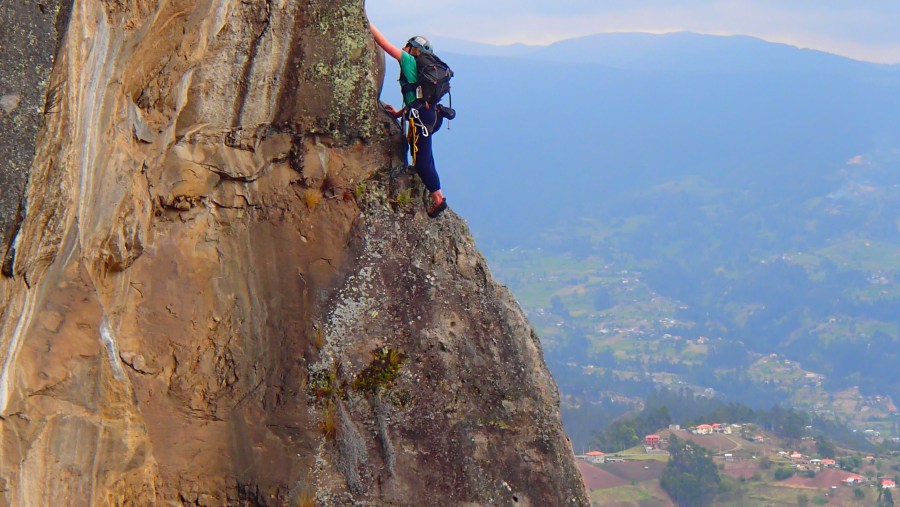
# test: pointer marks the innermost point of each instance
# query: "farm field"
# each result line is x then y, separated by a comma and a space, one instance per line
598, 478
626, 484
642, 495
768, 495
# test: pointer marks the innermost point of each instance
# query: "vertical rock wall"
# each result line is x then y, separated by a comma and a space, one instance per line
29, 41
219, 299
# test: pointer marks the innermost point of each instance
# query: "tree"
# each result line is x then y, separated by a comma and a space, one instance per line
656, 419
783, 473
690, 478
619, 436
825, 448
850, 463
802, 500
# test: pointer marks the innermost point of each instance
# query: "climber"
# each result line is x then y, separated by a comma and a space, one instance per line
424, 119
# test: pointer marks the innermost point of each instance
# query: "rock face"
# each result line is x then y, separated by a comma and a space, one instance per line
219, 297
29, 40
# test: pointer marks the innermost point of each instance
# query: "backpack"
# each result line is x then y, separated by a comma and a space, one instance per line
433, 77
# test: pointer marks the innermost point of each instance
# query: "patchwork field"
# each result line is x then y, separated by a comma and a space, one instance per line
637, 471
598, 478
627, 484
642, 495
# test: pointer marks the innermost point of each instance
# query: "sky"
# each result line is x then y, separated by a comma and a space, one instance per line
861, 29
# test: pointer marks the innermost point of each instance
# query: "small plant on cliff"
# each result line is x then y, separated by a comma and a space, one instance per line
323, 384
307, 498
319, 339
312, 197
404, 198
329, 423
381, 372
305, 494
360, 190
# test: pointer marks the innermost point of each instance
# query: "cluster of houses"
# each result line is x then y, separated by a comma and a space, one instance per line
802, 462
709, 429
857, 480
727, 429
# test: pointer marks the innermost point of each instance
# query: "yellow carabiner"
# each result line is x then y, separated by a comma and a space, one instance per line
413, 138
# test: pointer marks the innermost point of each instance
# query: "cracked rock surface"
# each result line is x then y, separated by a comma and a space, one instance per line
219, 297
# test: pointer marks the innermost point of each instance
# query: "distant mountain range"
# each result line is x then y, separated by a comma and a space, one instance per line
543, 138
680, 51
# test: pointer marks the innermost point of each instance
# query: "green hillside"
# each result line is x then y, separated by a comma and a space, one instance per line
775, 310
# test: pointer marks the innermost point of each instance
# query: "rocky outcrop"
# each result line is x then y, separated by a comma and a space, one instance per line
29, 42
219, 297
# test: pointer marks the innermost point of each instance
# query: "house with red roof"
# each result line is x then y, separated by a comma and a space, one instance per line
888, 484
829, 463
595, 457
652, 441
854, 480
703, 429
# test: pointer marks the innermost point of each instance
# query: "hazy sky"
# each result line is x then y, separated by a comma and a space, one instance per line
861, 29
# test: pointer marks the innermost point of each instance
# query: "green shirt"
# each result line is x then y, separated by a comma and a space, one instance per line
411, 72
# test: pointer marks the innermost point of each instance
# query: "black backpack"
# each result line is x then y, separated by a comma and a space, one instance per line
433, 76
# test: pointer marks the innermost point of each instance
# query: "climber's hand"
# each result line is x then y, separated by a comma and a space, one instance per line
391, 111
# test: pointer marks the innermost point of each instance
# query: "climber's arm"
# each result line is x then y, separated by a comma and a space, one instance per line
385, 44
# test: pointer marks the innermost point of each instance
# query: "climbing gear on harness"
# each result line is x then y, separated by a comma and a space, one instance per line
412, 134
414, 113
416, 126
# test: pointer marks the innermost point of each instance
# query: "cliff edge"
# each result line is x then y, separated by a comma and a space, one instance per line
218, 296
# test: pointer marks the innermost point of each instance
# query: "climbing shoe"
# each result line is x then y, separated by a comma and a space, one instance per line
436, 210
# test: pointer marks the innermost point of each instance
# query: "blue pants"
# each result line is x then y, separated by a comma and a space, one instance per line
425, 122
